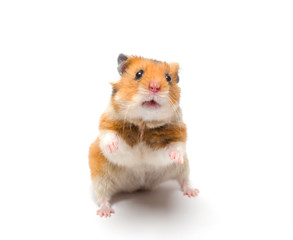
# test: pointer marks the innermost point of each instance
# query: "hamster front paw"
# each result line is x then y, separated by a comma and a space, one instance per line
111, 142
176, 152
176, 156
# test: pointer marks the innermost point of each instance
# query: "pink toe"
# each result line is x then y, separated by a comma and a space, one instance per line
115, 146
109, 148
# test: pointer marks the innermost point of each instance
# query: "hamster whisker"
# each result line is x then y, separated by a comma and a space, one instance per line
174, 108
146, 92
177, 111
172, 95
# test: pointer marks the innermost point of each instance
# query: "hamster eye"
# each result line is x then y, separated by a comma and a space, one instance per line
168, 78
139, 74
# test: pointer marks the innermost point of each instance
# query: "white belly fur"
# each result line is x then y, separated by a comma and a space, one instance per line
138, 155
141, 166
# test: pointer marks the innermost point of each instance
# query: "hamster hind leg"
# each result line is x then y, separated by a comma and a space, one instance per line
102, 183
183, 180
187, 189
103, 192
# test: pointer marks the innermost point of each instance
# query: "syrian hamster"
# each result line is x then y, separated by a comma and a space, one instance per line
142, 137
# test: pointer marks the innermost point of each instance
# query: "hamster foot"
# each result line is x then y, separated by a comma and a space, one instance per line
191, 192
176, 156
188, 190
105, 210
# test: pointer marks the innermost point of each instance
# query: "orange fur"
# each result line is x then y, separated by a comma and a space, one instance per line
127, 87
144, 112
96, 159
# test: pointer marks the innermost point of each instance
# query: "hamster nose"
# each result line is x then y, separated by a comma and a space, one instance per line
154, 86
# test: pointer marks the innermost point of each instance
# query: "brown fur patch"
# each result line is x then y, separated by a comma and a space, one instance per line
129, 132
161, 137
155, 138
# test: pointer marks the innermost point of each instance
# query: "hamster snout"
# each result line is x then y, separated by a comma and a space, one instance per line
154, 86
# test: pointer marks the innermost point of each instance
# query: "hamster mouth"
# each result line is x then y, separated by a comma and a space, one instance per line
151, 104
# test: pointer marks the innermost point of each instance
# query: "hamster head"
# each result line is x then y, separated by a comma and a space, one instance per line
148, 89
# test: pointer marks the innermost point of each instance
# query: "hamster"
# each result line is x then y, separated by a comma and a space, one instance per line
142, 137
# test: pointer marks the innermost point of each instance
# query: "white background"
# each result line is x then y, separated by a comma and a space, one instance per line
236, 58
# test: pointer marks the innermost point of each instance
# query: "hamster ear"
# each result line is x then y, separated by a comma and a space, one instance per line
174, 68
122, 58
